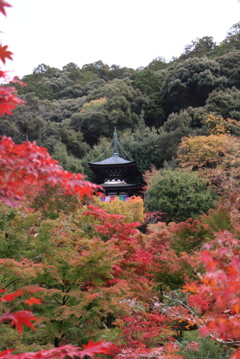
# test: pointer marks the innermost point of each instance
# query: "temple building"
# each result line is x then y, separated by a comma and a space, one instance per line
113, 171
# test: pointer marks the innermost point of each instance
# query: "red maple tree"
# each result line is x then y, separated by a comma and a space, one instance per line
26, 165
22, 166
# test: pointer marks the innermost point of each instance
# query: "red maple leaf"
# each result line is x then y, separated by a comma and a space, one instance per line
16, 80
3, 74
10, 297
4, 4
8, 100
18, 319
25, 165
96, 348
60, 353
33, 300
4, 53
6, 352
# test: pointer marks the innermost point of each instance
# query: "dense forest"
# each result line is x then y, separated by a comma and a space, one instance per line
72, 112
155, 278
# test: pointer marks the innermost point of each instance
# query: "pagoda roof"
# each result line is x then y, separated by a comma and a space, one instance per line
113, 160
114, 167
117, 170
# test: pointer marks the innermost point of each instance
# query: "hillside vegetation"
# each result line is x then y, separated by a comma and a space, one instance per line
73, 111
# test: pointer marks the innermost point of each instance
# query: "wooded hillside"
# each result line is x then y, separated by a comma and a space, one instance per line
72, 111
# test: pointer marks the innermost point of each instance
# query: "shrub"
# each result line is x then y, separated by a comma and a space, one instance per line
181, 194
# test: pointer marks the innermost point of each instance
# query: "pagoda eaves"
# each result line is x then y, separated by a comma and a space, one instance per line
114, 170
114, 167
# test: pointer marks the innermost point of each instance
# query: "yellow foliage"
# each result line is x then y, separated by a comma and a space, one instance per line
217, 125
94, 104
157, 227
132, 208
191, 287
216, 157
204, 151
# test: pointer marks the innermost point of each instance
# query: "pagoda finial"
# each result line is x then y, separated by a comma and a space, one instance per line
115, 146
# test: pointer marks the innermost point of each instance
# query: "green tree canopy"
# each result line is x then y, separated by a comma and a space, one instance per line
224, 103
229, 65
150, 83
232, 40
204, 46
190, 83
180, 194
176, 126
159, 63
116, 104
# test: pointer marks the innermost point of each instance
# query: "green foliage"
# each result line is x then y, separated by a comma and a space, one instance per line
229, 67
116, 104
59, 152
190, 235
44, 69
64, 109
119, 72
73, 91
224, 103
50, 88
181, 194
150, 83
218, 219
231, 42
92, 120
33, 79
132, 209
13, 227
207, 348
141, 144
28, 120
50, 201
98, 68
86, 77
73, 271
34, 122
175, 97
71, 66
176, 127
87, 262
159, 63
92, 85
199, 48
190, 83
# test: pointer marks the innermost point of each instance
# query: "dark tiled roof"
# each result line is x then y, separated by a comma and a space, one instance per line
113, 160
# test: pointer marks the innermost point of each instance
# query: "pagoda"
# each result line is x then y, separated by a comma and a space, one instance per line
113, 171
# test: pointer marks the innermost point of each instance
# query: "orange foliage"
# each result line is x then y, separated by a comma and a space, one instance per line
216, 157
96, 104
